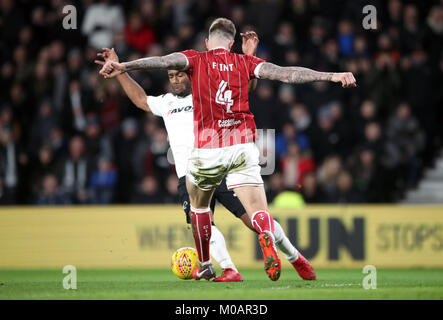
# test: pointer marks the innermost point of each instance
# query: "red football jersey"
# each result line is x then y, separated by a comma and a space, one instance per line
219, 81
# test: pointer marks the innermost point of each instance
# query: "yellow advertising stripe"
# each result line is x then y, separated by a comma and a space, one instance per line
146, 236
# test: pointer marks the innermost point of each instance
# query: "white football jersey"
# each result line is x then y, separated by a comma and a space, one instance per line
177, 114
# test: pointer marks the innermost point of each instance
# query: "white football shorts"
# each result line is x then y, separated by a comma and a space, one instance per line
239, 164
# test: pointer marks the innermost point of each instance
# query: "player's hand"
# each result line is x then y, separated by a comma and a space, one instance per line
107, 55
346, 79
112, 69
249, 42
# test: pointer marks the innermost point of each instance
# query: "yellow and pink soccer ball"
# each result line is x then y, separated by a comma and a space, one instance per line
183, 262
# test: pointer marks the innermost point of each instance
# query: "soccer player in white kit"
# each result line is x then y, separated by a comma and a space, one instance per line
176, 110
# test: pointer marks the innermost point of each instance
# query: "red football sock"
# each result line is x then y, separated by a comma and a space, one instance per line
262, 221
201, 227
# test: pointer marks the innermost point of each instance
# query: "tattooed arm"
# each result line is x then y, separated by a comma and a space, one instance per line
303, 75
133, 90
175, 61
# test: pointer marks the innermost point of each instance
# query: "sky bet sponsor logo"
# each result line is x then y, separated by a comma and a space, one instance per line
177, 110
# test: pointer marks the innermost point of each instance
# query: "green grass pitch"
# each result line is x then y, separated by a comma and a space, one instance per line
163, 285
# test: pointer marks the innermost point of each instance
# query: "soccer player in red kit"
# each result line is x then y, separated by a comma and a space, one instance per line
224, 131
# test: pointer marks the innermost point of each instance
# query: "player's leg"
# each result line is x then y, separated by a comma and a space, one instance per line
205, 173
217, 244
220, 253
230, 201
245, 180
283, 243
186, 203
254, 201
247, 221
300, 263
201, 221
183, 197
199, 198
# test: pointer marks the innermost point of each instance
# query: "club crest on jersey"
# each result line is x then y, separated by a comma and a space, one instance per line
177, 110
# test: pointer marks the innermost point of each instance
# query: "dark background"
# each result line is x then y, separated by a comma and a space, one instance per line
68, 136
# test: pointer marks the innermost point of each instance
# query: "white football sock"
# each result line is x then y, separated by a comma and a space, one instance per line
283, 243
218, 250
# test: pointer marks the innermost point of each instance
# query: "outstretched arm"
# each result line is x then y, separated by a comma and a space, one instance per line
175, 61
304, 75
132, 89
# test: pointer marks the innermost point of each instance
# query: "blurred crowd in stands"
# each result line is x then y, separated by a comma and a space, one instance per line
69, 137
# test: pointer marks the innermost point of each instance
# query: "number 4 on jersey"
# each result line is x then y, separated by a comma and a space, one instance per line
224, 97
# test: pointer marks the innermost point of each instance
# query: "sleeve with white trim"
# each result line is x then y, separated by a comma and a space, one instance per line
253, 64
191, 56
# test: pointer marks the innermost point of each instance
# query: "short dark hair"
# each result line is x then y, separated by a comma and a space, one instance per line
223, 27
